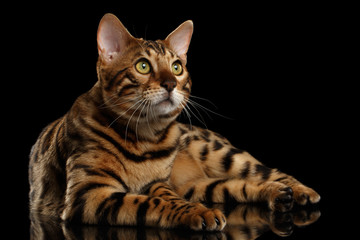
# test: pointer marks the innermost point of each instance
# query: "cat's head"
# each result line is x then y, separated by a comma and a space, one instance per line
143, 79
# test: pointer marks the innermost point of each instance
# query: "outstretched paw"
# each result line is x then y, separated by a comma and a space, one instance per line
304, 195
284, 200
281, 198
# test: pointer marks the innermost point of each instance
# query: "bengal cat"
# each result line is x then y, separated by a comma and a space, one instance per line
119, 156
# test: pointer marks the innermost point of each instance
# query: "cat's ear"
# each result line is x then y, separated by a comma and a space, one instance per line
179, 39
112, 37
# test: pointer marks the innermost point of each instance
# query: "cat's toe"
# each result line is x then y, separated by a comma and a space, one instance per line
213, 220
206, 220
283, 200
304, 195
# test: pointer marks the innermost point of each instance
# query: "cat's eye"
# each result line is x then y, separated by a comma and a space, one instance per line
177, 68
143, 66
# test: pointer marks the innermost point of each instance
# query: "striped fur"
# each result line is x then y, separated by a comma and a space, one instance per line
119, 157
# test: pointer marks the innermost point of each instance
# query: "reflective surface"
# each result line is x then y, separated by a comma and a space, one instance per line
243, 222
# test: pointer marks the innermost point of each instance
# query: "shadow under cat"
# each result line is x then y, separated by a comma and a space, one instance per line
244, 221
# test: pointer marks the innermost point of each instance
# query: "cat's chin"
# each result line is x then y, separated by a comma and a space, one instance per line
165, 107
168, 104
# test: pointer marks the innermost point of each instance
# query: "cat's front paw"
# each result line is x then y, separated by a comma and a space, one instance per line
304, 195
201, 218
280, 198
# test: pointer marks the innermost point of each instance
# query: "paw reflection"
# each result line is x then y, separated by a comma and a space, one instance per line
250, 221
244, 221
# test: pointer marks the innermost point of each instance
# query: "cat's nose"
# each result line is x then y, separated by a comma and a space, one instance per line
169, 84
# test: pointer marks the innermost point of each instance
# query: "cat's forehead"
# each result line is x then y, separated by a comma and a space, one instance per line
156, 49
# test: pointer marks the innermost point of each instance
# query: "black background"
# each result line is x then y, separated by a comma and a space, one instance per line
272, 70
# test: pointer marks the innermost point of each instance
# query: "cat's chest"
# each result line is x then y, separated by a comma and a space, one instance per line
151, 161
140, 175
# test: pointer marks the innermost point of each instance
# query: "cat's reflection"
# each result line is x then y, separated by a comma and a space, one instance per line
244, 222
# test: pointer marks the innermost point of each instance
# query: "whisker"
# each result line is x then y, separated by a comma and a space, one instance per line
127, 125
137, 121
193, 104
200, 120
108, 100
122, 114
204, 99
148, 102
152, 112
205, 108
116, 104
187, 114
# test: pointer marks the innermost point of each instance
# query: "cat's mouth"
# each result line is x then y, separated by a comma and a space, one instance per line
167, 103
167, 100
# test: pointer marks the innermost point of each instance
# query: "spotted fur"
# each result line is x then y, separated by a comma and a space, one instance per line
119, 156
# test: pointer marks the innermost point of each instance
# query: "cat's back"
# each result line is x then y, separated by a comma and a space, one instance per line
51, 142
44, 167
48, 156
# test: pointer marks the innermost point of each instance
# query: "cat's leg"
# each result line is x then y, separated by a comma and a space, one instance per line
102, 199
302, 194
244, 166
219, 190
217, 158
187, 213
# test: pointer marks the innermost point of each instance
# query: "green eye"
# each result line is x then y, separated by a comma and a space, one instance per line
143, 66
177, 68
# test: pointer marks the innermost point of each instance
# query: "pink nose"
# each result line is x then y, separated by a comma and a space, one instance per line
169, 84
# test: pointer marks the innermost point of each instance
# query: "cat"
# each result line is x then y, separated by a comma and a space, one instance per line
119, 157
